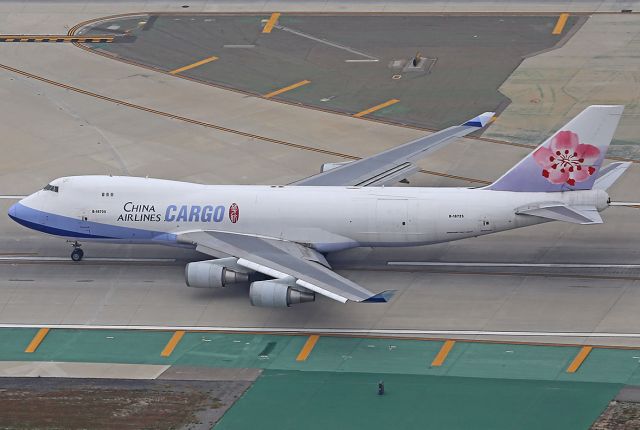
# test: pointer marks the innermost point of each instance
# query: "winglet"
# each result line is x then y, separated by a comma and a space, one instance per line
481, 120
382, 297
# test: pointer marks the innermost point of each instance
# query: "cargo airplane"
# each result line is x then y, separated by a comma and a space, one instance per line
276, 237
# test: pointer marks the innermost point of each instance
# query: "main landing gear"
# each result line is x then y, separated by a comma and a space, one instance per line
77, 253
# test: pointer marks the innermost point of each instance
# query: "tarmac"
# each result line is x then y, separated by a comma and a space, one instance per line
522, 308
89, 114
457, 74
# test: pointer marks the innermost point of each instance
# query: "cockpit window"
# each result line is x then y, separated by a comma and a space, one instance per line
50, 187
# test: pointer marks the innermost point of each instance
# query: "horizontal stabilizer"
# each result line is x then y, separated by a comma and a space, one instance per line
382, 297
610, 174
561, 212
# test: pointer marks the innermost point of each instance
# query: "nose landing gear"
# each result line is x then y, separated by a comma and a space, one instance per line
77, 253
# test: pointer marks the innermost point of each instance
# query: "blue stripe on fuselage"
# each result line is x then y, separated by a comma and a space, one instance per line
59, 225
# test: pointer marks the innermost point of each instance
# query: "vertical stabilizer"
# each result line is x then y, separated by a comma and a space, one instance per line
568, 160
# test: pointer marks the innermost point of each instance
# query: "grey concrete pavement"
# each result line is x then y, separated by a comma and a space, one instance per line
51, 131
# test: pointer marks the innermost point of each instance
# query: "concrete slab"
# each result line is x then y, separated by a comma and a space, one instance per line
53, 369
186, 373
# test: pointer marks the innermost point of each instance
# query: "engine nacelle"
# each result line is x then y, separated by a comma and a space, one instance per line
209, 274
276, 294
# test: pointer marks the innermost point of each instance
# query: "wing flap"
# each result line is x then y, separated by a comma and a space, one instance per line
280, 259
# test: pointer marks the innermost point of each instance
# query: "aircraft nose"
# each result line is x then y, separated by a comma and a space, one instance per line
13, 211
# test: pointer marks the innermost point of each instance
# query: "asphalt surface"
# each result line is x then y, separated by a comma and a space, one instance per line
73, 132
352, 62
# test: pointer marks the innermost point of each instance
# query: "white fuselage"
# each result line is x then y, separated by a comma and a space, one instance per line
141, 210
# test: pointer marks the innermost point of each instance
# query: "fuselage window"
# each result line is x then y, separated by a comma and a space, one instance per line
50, 187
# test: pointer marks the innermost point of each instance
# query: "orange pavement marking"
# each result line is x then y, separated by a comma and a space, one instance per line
582, 355
377, 107
562, 20
37, 340
272, 21
173, 342
285, 89
193, 65
308, 347
442, 355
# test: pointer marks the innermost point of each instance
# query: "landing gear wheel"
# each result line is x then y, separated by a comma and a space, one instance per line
77, 254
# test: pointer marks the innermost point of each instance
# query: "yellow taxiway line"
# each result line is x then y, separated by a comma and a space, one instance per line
582, 355
37, 340
444, 352
273, 19
173, 342
307, 348
377, 107
285, 89
562, 20
194, 65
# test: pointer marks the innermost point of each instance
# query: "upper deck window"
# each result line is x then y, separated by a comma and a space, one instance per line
50, 187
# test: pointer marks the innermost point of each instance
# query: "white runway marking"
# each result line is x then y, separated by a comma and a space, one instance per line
239, 46
12, 197
101, 259
526, 265
380, 332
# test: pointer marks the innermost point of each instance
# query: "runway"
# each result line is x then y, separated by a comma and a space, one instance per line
92, 115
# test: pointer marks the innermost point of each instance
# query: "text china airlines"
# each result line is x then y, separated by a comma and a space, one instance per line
174, 213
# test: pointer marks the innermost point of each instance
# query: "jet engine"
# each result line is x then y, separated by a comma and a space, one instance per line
278, 294
212, 274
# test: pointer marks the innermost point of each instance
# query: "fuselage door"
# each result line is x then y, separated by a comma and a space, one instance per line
84, 222
485, 225
392, 219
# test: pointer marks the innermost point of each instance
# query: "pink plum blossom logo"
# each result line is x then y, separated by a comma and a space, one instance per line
566, 160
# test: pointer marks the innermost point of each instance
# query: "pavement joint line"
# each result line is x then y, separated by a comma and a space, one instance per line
562, 20
194, 65
173, 342
273, 19
376, 108
37, 340
307, 348
285, 89
443, 353
579, 359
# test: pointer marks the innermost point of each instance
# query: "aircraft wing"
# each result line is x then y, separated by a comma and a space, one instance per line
396, 163
283, 259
